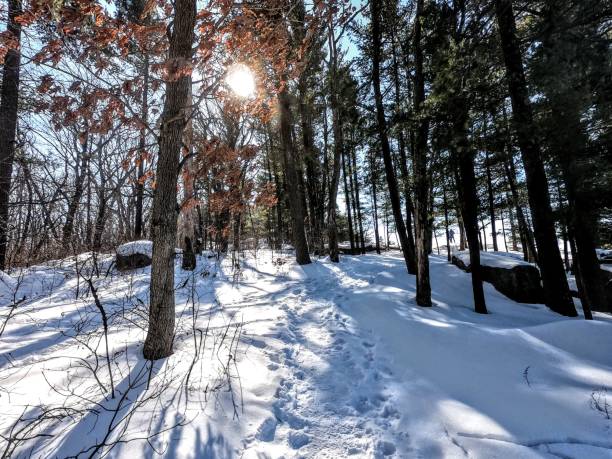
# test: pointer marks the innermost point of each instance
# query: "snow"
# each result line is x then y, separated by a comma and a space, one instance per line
505, 260
143, 247
324, 360
8, 286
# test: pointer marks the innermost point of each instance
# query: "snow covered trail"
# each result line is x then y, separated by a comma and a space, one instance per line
516, 383
332, 400
331, 361
367, 372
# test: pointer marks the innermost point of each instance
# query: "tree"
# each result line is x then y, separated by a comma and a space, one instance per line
294, 191
384, 140
556, 289
421, 174
571, 53
9, 105
160, 334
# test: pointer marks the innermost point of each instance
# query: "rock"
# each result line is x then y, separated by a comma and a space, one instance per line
345, 249
457, 261
520, 282
134, 255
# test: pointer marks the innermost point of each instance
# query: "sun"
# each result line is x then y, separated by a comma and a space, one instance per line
241, 80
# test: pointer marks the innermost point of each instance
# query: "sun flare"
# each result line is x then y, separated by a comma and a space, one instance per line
241, 80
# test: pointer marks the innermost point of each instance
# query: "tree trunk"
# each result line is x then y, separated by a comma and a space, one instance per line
491, 201
400, 227
421, 179
445, 204
373, 172
513, 235
144, 114
468, 197
332, 229
403, 160
100, 220
296, 206
349, 169
347, 198
570, 145
160, 335
556, 289
75, 200
313, 174
358, 202
9, 106
484, 235
501, 215
582, 220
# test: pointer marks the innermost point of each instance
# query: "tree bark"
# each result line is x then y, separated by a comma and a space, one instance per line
491, 201
421, 178
358, 202
332, 228
296, 201
347, 198
160, 335
556, 289
75, 200
373, 172
468, 197
144, 114
445, 204
9, 106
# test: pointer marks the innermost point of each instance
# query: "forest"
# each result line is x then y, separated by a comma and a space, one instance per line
305, 228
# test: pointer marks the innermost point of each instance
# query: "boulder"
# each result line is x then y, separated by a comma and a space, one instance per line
345, 249
134, 255
516, 279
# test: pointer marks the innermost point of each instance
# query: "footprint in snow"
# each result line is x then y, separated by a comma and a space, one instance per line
384, 448
298, 439
256, 343
267, 430
389, 411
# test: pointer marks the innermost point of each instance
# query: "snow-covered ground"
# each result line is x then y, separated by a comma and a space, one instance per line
278, 360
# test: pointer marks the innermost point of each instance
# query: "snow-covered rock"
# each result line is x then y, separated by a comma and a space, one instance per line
515, 278
604, 255
133, 255
143, 247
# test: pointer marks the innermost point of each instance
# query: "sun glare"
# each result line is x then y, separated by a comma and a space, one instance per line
240, 80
